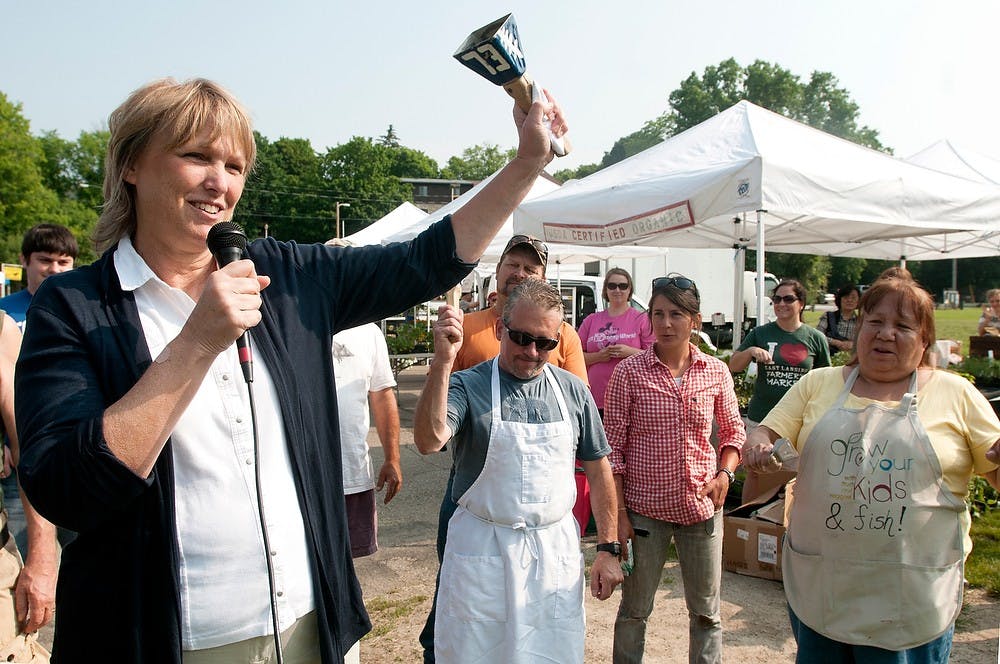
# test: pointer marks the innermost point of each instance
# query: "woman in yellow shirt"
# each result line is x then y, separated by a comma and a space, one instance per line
878, 529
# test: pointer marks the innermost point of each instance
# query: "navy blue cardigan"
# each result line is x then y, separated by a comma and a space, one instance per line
118, 591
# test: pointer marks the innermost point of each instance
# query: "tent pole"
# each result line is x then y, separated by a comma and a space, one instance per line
739, 261
739, 264
760, 267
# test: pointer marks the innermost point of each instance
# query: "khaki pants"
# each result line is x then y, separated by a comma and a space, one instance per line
14, 646
299, 645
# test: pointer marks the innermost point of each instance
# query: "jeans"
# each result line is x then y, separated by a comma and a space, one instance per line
699, 548
814, 648
448, 507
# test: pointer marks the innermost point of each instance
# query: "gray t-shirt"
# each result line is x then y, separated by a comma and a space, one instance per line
531, 401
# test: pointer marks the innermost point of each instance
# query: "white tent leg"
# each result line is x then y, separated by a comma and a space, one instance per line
760, 266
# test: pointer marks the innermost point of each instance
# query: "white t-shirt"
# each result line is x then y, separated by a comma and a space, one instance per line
362, 366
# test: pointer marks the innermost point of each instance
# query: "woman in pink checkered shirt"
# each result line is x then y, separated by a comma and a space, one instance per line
658, 412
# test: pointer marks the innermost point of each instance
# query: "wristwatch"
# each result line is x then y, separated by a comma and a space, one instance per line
614, 548
729, 474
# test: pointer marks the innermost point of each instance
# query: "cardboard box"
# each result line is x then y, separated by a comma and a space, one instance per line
753, 534
752, 547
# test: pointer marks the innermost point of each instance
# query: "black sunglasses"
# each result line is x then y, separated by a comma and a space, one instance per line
616, 286
787, 299
525, 339
682, 283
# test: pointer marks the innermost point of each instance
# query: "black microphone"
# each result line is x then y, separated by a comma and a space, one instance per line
228, 242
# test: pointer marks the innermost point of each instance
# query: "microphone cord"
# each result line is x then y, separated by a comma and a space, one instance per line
263, 525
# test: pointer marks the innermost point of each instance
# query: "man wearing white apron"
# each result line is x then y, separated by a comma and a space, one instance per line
512, 578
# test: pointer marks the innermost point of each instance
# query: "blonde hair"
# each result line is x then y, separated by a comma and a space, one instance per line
178, 111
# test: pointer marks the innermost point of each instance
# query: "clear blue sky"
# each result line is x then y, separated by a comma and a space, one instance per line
329, 70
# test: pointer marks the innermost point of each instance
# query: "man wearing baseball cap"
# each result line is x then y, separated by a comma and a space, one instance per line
523, 258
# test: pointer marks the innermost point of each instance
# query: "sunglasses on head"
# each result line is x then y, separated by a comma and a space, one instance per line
787, 299
682, 283
615, 286
525, 339
540, 247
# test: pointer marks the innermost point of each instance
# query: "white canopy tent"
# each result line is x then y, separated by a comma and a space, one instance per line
805, 188
946, 157
559, 253
403, 215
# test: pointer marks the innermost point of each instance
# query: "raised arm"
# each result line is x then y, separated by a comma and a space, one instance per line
479, 220
430, 422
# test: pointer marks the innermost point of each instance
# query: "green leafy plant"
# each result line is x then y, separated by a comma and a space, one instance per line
982, 497
409, 338
984, 371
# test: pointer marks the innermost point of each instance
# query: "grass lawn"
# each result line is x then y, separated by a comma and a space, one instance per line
957, 324
983, 567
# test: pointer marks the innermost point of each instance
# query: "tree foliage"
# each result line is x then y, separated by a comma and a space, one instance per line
294, 191
25, 198
477, 162
819, 102
390, 138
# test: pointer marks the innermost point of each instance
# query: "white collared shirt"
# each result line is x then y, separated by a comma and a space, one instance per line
223, 575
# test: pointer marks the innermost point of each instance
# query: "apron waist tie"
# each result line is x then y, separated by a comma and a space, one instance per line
529, 548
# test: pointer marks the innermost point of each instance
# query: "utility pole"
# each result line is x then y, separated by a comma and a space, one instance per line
339, 230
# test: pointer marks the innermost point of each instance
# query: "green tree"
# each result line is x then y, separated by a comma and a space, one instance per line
363, 173
390, 139
410, 163
653, 132
286, 196
74, 170
24, 199
478, 162
812, 271
820, 102
845, 271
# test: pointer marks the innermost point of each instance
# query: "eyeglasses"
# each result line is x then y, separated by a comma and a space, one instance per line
787, 299
525, 339
616, 286
537, 245
682, 283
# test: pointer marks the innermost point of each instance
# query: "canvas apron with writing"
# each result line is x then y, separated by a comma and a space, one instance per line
874, 552
511, 579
